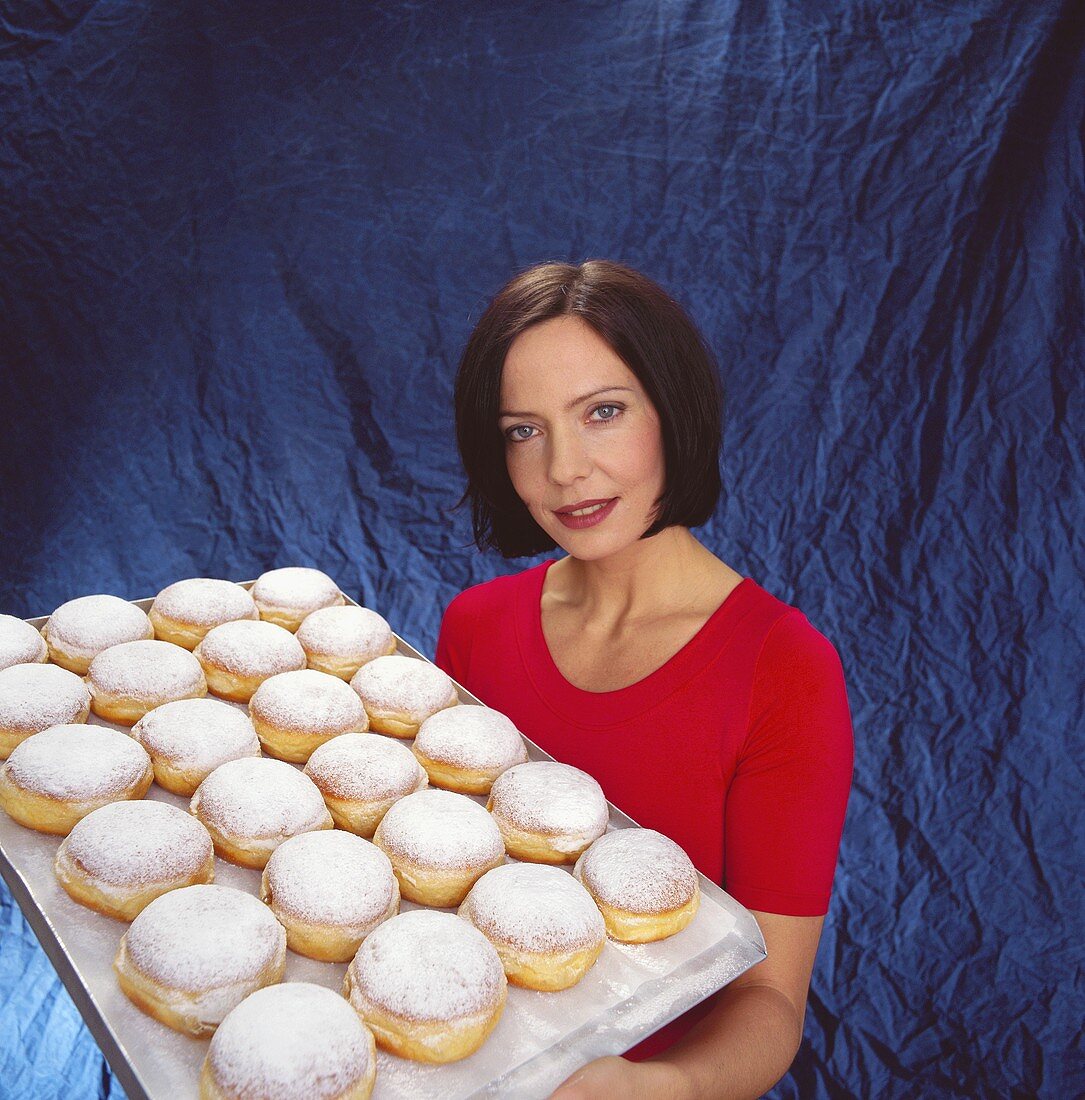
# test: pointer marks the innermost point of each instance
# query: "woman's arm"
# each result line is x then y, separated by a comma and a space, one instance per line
741, 1048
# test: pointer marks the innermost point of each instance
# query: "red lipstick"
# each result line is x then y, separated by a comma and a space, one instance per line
590, 519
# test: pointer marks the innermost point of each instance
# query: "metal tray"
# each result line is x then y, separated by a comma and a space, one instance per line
541, 1038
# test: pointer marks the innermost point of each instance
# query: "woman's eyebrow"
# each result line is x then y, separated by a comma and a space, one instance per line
576, 400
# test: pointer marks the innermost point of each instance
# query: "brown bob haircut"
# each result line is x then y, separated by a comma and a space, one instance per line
651, 333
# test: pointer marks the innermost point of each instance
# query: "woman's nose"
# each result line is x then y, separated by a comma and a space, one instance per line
569, 458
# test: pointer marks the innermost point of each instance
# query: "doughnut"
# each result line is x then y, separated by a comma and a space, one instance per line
361, 775
183, 612
428, 985
53, 779
250, 806
122, 856
128, 680
295, 1039
187, 740
543, 923
548, 812
195, 953
238, 657
286, 596
439, 843
296, 712
20, 643
35, 697
399, 693
339, 640
644, 884
80, 629
329, 890
466, 748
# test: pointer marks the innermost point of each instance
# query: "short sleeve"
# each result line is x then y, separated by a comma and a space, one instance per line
785, 807
454, 639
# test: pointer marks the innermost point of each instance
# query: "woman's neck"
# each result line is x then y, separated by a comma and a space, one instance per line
669, 572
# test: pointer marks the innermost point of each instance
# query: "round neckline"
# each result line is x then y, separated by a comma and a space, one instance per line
605, 708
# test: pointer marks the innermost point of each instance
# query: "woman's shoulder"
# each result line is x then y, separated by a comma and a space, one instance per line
493, 596
788, 639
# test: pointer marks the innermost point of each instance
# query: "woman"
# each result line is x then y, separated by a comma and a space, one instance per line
588, 417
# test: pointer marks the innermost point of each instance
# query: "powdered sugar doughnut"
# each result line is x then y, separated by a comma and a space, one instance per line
400, 693
35, 697
187, 740
544, 924
428, 985
58, 776
251, 806
361, 775
440, 844
80, 629
183, 612
646, 887
466, 748
329, 890
193, 954
295, 1039
128, 680
339, 640
548, 812
121, 857
238, 657
295, 712
286, 596
20, 643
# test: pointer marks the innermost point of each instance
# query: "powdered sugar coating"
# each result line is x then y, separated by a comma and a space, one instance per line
197, 734
85, 626
294, 1039
406, 685
137, 844
34, 697
349, 633
308, 701
148, 671
555, 800
20, 643
440, 829
534, 908
366, 767
424, 965
77, 763
295, 589
259, 798
331, 877
204, 937
638, 870
251, 648
204, 601
471, 737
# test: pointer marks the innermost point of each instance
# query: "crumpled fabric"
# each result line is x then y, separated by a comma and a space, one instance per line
244, 245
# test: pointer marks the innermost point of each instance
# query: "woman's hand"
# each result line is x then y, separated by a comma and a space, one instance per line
615, 1078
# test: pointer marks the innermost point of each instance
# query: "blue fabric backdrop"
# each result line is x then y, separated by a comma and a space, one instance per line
244, 243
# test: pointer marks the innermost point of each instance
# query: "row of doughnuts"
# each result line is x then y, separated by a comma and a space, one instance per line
440, 842
291, 619
430, 986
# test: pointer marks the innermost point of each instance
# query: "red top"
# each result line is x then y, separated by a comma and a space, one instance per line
739, 748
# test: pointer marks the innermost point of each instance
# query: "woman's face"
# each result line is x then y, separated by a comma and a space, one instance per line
580, 435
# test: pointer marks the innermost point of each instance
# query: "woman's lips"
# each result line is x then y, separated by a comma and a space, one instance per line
595, 515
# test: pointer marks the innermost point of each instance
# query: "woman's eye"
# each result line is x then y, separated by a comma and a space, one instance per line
606, 412
514, 436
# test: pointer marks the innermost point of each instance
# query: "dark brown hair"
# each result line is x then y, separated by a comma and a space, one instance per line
651, 333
